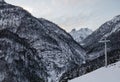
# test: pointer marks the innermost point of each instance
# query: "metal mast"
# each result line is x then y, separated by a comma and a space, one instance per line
105, 41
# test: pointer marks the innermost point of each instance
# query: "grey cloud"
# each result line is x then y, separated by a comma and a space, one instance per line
72, 13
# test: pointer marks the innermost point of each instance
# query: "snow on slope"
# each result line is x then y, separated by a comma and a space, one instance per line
81, 34
109, 74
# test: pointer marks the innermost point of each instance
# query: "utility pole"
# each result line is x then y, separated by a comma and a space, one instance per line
105, 41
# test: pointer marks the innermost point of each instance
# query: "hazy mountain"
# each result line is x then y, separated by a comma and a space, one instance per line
34, 50
80, 35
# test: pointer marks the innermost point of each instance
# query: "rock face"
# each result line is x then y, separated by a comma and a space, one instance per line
80, 35
1, 0
34, 50
111, 30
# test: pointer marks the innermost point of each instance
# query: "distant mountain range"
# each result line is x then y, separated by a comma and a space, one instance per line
80, 35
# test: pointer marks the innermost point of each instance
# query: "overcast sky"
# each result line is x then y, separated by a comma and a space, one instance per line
71, 14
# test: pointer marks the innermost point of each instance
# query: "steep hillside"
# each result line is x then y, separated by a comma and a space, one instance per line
110, 30
34, 50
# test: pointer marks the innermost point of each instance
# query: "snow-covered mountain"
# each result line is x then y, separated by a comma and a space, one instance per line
109, 74
80, 35
34, 50
110, 30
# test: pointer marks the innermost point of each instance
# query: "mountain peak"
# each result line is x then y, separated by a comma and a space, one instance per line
81, 34
73, 30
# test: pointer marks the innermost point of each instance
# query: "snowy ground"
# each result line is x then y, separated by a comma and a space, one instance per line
109, 74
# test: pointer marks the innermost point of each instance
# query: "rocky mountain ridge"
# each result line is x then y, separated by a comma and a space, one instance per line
109, 30
34, 50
